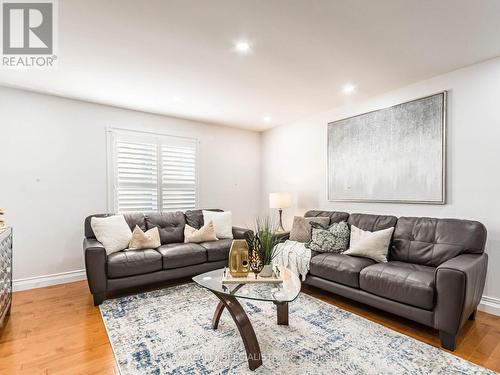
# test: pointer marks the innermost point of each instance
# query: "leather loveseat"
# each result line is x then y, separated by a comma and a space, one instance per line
435, 274
138, 268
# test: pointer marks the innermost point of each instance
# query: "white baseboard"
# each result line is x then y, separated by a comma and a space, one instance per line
48, 280
490, 305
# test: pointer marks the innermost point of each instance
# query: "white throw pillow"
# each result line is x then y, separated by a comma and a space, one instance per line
112, 231
223, 223
373, 245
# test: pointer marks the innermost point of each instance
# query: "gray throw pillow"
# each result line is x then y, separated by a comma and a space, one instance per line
332, 239
301, 228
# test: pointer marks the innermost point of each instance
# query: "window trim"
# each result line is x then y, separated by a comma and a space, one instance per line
111, 132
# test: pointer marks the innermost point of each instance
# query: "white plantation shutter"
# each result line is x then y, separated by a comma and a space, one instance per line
137, 177
178, 170
153, 172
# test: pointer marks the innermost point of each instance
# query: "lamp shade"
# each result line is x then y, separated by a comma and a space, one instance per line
280, 200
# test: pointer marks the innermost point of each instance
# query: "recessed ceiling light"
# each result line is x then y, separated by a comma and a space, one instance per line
243, 47
176, 98
348, 88
267, 118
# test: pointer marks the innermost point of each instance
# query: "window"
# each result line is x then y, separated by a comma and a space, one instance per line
151, 172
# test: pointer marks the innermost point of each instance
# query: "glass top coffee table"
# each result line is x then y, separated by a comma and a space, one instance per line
280, 294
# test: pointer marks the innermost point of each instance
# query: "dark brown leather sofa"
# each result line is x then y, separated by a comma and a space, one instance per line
435, 274
173, 260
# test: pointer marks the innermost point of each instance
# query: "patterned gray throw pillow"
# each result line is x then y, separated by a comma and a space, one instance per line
332, 239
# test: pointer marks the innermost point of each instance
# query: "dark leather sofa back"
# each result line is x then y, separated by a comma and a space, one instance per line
430, 241
419, 240
372, 222
132, 219
335, 216
169, 224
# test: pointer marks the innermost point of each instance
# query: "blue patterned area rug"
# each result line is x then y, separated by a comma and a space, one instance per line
169, 332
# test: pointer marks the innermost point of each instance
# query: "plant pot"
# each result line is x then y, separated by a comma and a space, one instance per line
267, 271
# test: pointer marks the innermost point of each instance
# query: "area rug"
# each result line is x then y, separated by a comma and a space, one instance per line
169, 331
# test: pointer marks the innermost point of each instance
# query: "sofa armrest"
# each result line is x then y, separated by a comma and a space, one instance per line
283, 236
459, 287
241, 233
95, 265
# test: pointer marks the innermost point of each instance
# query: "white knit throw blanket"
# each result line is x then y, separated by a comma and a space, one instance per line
294, 256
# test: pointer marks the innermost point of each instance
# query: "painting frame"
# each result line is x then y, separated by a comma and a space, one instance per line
443, 162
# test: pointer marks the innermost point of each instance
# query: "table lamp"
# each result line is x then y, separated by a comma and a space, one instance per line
280, 201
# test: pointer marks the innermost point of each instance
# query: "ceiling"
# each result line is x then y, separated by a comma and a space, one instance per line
177, 57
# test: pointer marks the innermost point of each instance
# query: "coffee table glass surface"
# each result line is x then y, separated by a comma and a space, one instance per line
286, 291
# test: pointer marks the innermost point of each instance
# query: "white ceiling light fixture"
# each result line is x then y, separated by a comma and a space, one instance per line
243, 47
348, 88
267, 118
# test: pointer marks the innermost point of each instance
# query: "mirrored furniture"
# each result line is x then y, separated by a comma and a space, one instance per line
5, 274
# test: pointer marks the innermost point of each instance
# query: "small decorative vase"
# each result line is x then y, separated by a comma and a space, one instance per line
239, 265
267, 271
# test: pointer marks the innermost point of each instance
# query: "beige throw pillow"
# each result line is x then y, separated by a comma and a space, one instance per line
301, 228
373, 245
205, 234
144, 240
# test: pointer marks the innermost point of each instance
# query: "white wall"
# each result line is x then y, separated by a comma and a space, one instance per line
53, 166
53, 172
294, 156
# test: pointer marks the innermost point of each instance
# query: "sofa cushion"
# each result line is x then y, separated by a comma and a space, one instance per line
170, 225
133, 262
335, 216
372, 223
176, 255
132, 219
431, 241
340, 268
412, 284
217, 250
194, 218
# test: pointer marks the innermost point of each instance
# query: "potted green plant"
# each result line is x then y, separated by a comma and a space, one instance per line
263, 241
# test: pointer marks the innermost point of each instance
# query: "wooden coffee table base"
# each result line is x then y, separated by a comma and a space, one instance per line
244, 326
282, 313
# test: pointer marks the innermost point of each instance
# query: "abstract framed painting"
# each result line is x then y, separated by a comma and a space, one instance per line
395, 154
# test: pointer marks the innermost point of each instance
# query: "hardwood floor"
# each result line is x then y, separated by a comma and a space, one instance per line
57, 330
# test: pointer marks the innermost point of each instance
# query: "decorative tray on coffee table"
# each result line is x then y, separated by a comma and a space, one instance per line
276, 278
